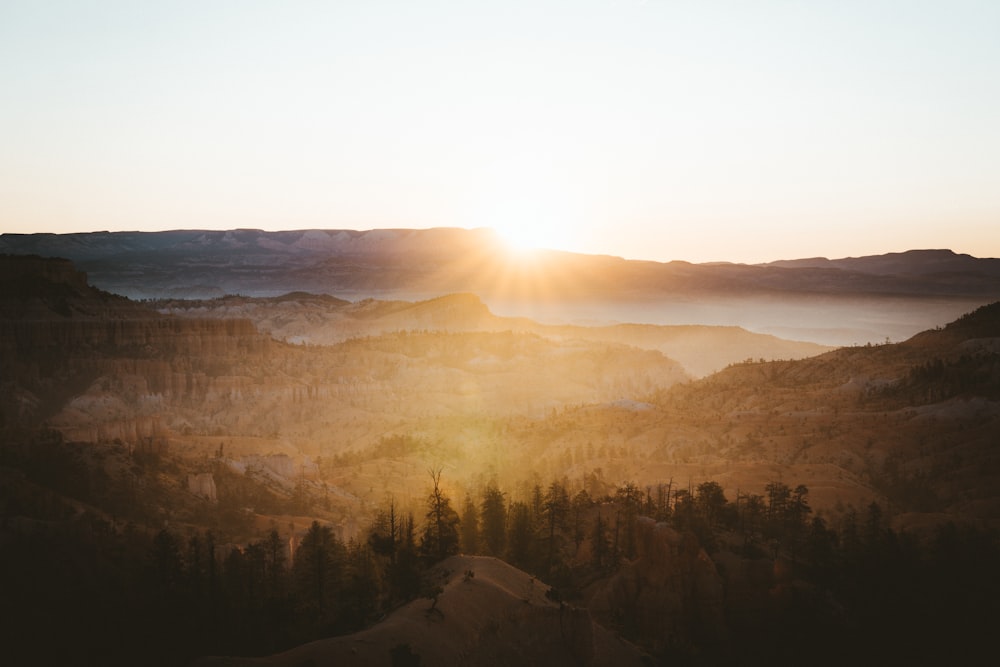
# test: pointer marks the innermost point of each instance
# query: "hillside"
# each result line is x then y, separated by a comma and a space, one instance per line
911, 424
488, 613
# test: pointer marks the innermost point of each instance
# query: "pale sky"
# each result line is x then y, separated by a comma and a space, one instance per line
740, 131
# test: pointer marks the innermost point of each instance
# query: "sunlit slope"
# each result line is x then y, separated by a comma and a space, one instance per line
488, 613
912, 425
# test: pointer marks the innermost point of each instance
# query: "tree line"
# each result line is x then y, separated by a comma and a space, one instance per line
186, 594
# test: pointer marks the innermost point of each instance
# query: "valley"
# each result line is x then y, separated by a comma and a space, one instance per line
256, 416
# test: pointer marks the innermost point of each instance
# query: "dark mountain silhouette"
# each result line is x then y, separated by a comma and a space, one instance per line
444, 260
910, 263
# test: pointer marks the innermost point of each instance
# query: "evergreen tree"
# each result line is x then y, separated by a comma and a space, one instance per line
521, 537
385, 534
601, 557
404, 571
556, 508
630, 499
275, 564
494, 521
440, 538
470, 526
582, 502
317, 569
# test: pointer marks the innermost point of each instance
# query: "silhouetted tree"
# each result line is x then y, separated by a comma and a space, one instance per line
710, 501
556, 508
166, 559
581, 504
440, 538
383, 538
360, 590
404, 571
494, 520
630, 499
521, 537
317, 567
470, 526
601, 557
275, 564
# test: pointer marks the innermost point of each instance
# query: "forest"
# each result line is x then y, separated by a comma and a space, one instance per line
794, 586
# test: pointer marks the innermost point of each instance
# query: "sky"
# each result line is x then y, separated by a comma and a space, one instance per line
703, 130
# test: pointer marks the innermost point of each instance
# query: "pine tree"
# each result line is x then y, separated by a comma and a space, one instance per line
317, 568
493, 518
470, 526
440, 538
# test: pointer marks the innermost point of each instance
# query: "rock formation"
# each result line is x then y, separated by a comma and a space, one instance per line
203, 485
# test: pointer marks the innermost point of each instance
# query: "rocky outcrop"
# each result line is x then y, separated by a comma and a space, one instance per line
671, 594
203, 485
102, 367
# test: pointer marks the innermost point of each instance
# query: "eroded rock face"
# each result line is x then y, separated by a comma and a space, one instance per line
203, 485
671, 594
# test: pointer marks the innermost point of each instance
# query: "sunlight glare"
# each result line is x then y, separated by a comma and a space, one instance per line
524, 229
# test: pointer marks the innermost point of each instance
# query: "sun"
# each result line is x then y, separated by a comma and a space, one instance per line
522, 239
525, 228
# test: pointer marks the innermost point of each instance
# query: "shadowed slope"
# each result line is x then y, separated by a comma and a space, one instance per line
488, 613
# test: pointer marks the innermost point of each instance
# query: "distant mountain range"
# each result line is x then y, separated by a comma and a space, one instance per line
843, 301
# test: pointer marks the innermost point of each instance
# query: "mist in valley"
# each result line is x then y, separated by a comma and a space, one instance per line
834, 321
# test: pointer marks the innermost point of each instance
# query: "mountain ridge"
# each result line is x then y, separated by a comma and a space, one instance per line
831, 302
